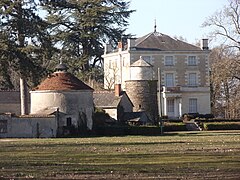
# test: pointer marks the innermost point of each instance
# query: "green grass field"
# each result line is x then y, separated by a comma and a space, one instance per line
192, 155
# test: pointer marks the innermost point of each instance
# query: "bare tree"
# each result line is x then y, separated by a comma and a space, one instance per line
226, 23
110, 76
225, 87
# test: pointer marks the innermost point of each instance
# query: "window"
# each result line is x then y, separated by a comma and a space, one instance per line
3, 126
147, 59
170, 105
169, 80
69, 121
124, 61
110, 64
193, 105
192, 79
192, 61
169, 61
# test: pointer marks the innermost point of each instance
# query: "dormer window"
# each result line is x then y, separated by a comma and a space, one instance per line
192, 61
169, 61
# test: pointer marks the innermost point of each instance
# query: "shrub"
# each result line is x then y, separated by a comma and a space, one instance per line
222, 126
174, 127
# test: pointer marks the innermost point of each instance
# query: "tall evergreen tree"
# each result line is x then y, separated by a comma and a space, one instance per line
25, 44
81, 28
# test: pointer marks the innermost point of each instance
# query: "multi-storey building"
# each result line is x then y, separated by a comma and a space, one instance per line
181, 68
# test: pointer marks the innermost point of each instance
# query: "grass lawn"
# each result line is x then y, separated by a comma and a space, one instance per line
185, 155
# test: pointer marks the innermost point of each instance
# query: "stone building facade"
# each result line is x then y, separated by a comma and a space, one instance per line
184, 71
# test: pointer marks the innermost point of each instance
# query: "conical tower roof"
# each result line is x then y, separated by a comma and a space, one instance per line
61, 80
140, 63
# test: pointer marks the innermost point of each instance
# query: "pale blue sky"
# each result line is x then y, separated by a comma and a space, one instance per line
173, 17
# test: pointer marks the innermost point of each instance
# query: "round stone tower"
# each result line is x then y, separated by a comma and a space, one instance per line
142, 89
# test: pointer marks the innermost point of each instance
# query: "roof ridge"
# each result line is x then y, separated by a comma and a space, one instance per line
143, 38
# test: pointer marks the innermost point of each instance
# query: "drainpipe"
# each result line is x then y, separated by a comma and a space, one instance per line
23, 96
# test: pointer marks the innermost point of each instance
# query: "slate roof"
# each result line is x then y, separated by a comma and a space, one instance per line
161, 42
10, 97
141, 63
136, 116
62, 81
106, 99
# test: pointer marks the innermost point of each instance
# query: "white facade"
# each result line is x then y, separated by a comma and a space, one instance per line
28, 126
75, 104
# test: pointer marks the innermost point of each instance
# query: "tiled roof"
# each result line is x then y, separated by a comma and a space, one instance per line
162, 42
106, 99
62, 81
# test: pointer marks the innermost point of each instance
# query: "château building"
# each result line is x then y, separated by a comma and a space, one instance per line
182, 71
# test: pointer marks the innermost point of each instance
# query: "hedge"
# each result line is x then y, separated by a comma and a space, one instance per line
222, 126
174, 127
138, 130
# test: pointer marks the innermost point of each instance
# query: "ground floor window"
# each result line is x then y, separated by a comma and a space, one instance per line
170, 105
193, 105
3, 126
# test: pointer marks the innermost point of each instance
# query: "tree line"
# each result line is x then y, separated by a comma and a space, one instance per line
225, 61
36, 34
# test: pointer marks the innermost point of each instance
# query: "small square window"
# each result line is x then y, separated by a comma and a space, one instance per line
192, 61
169, 61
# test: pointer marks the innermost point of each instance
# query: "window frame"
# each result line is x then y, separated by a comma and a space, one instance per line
192, 62
170, 105
192, 81
169, 62
193, 105
167, 80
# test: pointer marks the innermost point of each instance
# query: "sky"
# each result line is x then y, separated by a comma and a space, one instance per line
173, 17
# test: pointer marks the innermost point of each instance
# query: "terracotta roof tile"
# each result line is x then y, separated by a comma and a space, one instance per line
62, 81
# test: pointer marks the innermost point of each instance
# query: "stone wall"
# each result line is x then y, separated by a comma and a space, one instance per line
29, 127
143, 94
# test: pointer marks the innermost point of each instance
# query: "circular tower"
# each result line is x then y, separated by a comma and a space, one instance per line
66, 94
142, 89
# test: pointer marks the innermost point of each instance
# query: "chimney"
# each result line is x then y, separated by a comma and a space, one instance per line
117, 89
130, 43
23, 96
120, 45
204, 44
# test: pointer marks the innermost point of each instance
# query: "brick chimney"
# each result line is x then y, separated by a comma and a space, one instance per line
117, 89
120, 46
